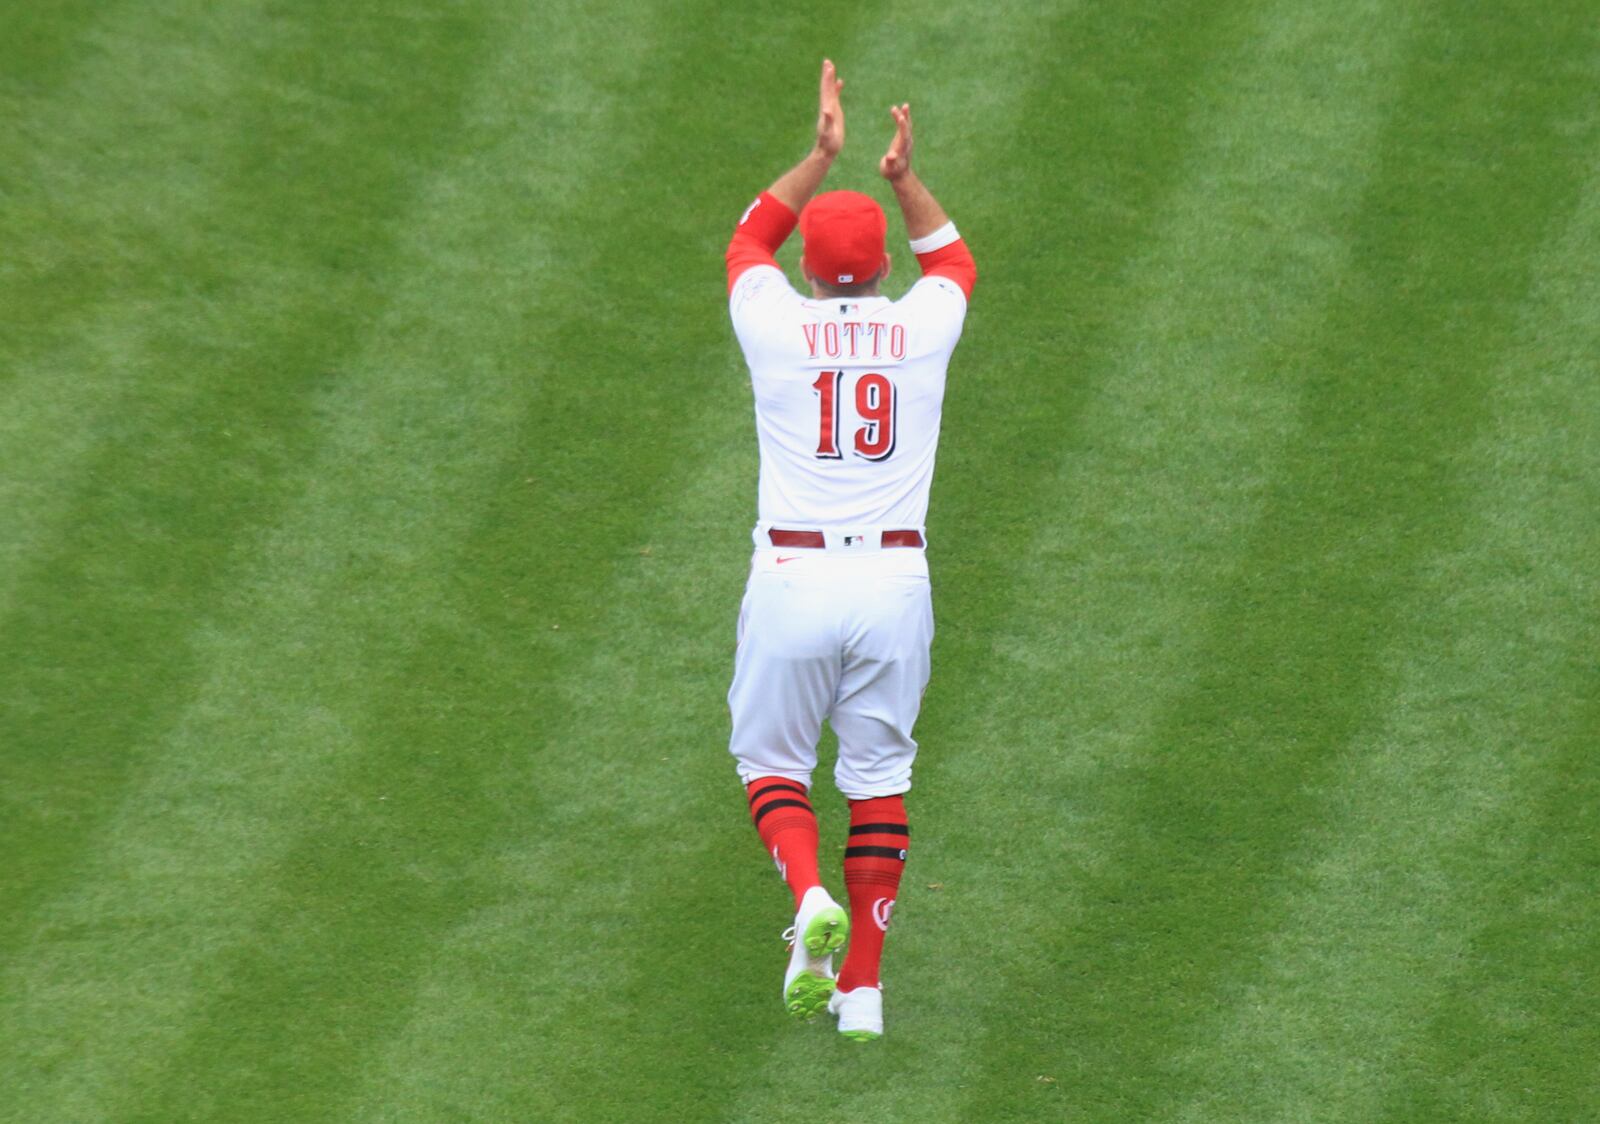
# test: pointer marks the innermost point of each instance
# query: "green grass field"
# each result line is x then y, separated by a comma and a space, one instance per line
376, 475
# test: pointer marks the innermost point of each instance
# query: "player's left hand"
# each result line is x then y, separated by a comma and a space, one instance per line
830, 113
897, 161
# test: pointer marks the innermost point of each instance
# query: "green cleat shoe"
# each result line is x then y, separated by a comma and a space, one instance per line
820, 929
806, 996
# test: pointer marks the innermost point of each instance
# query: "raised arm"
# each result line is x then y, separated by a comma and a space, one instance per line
795, 187
772, 217
939, 247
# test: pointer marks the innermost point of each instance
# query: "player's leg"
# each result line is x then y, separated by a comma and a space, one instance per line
781, 810
785, 677
880, 694
783, 815
874, 859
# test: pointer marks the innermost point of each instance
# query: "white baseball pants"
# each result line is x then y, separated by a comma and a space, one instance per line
825, 634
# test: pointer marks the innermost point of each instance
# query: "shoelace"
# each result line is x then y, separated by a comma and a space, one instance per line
789, 935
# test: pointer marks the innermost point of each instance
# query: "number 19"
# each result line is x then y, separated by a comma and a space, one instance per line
875, 406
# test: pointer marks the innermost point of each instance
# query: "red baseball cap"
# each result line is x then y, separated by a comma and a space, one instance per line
843, 232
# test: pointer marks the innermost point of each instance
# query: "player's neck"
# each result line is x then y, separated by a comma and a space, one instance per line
819, 294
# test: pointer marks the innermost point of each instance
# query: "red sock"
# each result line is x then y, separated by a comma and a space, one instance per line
873, 861
788, 830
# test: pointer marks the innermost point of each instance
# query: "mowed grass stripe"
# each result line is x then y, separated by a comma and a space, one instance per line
43, 45
1512, 1035
1181, 416
1431, 836
52, 60
1427, 821
1202, 832
141, 458
117, 182
1508, 1032
122, 953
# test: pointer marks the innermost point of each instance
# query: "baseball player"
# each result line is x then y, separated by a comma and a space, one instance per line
837, 621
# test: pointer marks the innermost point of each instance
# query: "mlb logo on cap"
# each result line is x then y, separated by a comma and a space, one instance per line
843, 232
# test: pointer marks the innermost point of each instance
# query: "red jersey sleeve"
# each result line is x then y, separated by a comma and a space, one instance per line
952, 260
761, 230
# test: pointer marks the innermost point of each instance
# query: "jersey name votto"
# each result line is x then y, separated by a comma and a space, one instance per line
855, 339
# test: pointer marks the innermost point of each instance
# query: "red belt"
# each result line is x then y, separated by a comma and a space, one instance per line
816, 540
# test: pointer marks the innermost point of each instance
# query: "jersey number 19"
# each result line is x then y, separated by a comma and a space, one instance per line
874, 441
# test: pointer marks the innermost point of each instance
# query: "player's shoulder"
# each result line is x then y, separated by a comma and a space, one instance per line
935, 298
763, 307
760, 285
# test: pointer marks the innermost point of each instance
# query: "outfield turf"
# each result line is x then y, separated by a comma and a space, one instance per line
376, 475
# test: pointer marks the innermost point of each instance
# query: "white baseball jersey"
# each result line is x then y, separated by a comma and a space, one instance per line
848, 394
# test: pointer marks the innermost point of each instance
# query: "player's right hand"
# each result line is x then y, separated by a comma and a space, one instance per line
897, 161
830, 114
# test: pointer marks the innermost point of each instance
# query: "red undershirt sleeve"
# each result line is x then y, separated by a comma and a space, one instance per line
944, 254
760, 232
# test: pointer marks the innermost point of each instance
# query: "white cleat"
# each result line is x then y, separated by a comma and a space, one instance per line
860, 1012
820, 928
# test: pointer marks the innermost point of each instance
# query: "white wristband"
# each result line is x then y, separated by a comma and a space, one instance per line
938, 240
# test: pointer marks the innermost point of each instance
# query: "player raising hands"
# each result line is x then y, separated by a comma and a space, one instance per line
837, 619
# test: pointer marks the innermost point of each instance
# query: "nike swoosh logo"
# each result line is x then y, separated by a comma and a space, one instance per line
791, 558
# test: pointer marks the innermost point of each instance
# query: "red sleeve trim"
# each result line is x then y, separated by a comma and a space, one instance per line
761, 230
953, 262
